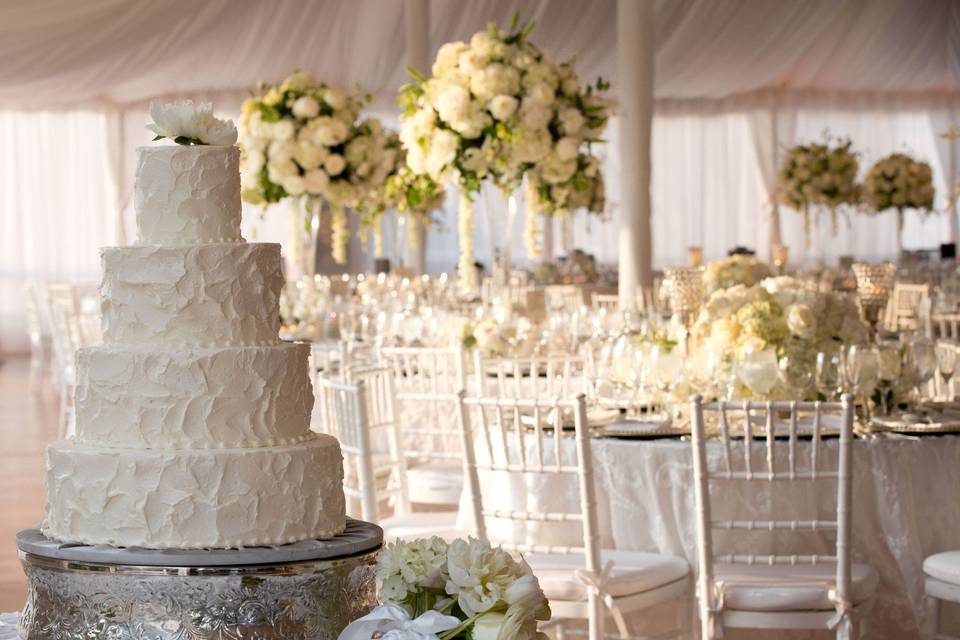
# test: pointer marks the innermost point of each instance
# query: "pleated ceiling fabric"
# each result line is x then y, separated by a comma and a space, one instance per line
63, 54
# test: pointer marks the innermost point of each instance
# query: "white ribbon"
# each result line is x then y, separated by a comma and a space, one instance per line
597, 584
391, 622
715, 611
843, 618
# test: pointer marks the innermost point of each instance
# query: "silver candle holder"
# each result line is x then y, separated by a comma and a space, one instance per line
874, 283
685, 289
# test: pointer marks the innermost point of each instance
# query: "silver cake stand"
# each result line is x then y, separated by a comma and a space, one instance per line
309, 590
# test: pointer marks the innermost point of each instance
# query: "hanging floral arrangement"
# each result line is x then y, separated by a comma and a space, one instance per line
495, 109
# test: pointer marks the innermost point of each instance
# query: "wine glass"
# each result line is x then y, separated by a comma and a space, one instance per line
925, 359
829, 376
890, 362
947, 363
863, 373
795, 375
759, 371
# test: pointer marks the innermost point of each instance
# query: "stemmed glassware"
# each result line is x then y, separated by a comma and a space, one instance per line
924, 357
829, 374
947, 364
890, 369
862, 369
795, 375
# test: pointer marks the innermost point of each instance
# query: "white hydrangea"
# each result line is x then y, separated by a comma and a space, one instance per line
405, 567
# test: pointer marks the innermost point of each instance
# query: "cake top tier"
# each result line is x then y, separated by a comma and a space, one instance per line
187, 194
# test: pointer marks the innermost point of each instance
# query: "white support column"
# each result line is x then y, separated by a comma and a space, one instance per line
416, 18
635, 60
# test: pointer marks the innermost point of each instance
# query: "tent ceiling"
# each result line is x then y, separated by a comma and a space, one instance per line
64, 53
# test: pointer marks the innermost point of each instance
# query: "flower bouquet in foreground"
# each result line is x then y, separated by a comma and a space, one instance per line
431, 590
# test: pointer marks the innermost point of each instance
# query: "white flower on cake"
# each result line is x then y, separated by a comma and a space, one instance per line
186, 124
466, 589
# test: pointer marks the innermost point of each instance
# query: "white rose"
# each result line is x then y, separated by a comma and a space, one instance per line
452, 101
335, 98
472, 124
502, 106
495, 79
532, 145
526, 594
334, 164
293, 185
253, 161
541, 93
567, 148
443, 150
569, 87
306, 107
483, 43
416, 159
283, 130
448, 57
801, 321
534, 115
556, 170
571, 120
329, 131
308, 155
471, 61
316, 181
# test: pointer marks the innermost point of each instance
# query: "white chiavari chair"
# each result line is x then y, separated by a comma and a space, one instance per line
785, 590
361, 414
531, 376
39, 336
905, 309
607, 301
941, 573
583, 581
946, 326
563, 297
943, 387
426, 381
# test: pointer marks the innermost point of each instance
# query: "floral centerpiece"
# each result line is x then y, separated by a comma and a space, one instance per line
303, 139
431, 590
495, 109
899, 182
733, 270
819, 175
778, 318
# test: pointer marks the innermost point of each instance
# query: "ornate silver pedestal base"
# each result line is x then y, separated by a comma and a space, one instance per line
88, 592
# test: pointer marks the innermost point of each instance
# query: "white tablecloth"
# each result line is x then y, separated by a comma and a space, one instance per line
905, 495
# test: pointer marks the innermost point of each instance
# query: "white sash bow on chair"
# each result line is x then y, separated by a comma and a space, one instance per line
597, 584
843, 618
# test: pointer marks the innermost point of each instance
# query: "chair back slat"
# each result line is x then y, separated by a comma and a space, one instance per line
534, 446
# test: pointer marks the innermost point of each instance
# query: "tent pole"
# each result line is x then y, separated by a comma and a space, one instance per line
635, 68
416, 16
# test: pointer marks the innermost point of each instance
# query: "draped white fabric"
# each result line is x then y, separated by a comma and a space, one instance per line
885, 72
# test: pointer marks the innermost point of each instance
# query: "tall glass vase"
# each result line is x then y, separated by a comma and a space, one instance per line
301, 254
500, 212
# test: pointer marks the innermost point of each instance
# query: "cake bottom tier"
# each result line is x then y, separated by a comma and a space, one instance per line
195, 499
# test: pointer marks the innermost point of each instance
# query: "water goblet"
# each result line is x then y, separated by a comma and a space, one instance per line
925, 359
947, 364
890, 362
863, 372
795, 374
829, 375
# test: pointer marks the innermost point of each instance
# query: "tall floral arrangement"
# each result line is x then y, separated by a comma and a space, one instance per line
497, 108
432, 590
815, 176
899, 182
304, 139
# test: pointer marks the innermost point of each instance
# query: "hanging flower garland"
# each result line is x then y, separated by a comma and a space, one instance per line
899, 182
303, 139
495, 109
819, 175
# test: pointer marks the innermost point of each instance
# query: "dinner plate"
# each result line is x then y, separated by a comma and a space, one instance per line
644, 429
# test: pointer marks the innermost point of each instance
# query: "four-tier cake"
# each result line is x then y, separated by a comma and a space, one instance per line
192, 419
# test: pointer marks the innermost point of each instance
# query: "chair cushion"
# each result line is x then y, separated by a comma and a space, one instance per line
633, 572
790, 588
944, 567
411, 526
439, 482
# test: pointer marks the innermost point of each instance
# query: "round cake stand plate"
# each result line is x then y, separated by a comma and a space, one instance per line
308, 590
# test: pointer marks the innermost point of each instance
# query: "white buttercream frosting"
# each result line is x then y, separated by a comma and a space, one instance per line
187, 194
219, 398
199, 295
195, 499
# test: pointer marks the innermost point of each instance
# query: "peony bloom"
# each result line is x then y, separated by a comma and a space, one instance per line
567, 148
194, 123
480, 575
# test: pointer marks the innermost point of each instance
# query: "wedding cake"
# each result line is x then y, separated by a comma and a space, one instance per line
192, 419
